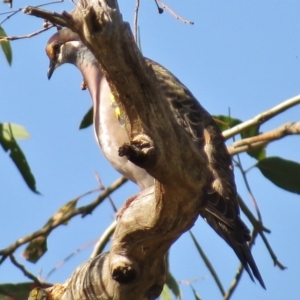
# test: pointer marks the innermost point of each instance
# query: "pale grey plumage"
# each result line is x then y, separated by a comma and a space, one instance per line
64, 47
220, 207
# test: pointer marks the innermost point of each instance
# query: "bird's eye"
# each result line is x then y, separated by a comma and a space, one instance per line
56, 48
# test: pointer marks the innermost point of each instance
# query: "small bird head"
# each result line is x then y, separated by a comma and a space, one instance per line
62, 48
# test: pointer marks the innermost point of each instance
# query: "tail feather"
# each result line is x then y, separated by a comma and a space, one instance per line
236, 240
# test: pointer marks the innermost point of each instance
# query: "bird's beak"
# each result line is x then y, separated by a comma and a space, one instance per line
52, 67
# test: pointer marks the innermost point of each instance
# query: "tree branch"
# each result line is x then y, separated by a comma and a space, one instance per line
258, 141
103, 240
83, 210
254, 202
135, 20
64, 19
25, 272
134, 268
173, 13
27, 36
272, 253
262, 117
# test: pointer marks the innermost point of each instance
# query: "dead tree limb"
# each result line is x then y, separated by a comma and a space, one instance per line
134, 268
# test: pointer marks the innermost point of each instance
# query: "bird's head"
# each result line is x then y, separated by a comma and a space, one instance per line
63, 47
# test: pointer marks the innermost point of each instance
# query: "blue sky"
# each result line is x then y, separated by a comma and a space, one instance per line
242, 55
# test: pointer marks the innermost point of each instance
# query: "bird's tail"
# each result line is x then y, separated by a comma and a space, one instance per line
235, 238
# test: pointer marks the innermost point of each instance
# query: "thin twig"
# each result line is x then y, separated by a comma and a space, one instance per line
60, 264
261, 140
135, 20
272, 254
64, 19
262, 117
174, 14
83, 210
27, 36
233, 151
50, 3
258, 226
103, 240
254, 202
239, 272
240, 269
102, 188
11, 14
160, 10
272, 135
234, 282
25, 272
238, 275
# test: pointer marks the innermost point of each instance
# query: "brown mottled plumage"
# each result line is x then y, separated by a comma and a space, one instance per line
220, 208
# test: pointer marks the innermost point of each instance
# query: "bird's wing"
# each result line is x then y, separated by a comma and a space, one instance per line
220, 205
200, 126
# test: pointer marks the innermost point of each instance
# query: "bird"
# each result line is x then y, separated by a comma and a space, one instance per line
65, 47
220, 208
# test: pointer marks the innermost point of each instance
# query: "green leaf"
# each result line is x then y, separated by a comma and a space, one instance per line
18, 291
259, 153
197, 297
36, 249
173, 285
10, 145
171, 281
15, 130
38, 246
166, 293
87, 119
65, 209
5, 45
283, 173
225, 122
208, 264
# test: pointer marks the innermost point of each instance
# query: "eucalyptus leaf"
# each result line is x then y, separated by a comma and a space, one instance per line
166, 293
10, 145
87, 120
14, 130
225, 122
5, 45
283, 173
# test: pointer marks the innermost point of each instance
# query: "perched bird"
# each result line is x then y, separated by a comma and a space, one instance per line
220, 208
65, 47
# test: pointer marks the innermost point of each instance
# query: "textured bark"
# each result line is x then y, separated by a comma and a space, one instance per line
134, 267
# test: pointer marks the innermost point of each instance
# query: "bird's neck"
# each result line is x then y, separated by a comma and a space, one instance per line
91, 71
93, 79
99, 90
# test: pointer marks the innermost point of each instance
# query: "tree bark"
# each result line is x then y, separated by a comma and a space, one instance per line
134, 267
